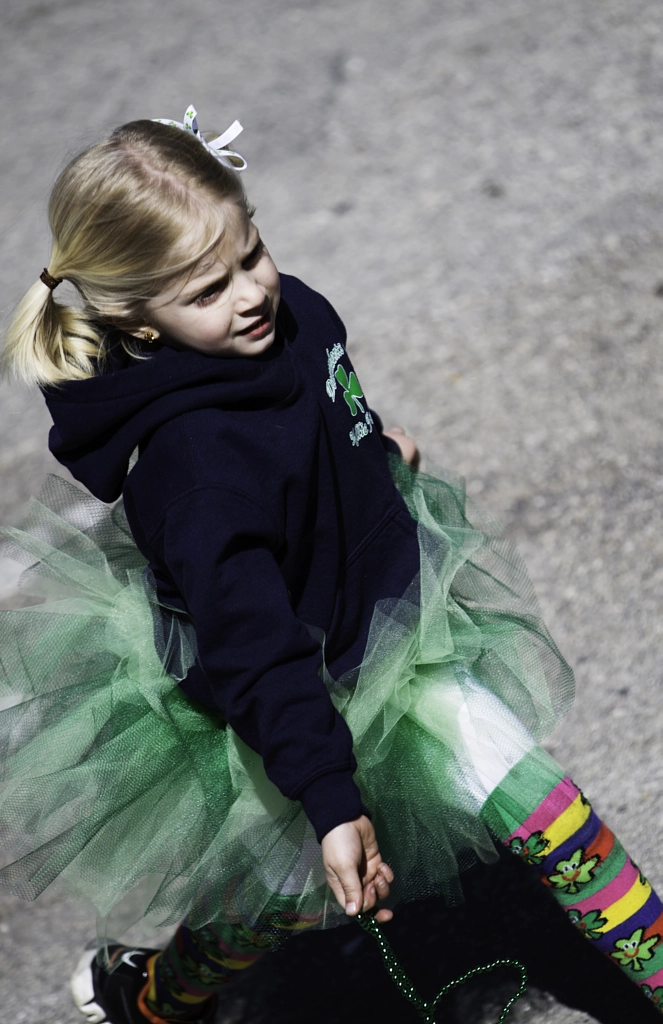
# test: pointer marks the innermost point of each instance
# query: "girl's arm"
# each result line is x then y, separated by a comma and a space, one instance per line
261, 666
408, 446
258, 659
356, 873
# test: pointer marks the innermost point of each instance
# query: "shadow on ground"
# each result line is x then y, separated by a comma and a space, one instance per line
335, 976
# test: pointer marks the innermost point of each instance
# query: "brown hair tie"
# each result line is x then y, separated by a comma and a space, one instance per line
50, 282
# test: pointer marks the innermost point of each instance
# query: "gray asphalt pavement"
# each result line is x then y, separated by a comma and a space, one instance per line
477, 186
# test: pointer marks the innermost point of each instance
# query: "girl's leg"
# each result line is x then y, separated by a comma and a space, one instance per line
541, 816
197, 964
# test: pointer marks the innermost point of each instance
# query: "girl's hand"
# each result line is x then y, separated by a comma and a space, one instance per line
407, 445
356, 873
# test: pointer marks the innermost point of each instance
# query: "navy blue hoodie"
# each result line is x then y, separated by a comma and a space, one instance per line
263, 501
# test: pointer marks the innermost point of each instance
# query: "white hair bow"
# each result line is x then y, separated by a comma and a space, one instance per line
217, 147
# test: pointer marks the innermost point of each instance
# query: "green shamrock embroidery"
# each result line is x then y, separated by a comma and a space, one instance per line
532, 850
633, 951
351, 389
574, 872
589, 923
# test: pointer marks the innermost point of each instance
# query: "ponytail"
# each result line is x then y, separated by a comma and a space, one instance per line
47, 342
128, 216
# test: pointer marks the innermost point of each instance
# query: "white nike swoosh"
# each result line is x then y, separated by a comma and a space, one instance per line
127, 955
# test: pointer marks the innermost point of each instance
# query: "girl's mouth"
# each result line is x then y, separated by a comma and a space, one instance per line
259, 328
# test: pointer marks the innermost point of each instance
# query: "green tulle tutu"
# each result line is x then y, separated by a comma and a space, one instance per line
115, 788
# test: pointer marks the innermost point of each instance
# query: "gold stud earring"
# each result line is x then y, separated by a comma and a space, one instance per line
148, 336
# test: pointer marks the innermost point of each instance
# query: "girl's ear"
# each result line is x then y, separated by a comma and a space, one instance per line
143, 332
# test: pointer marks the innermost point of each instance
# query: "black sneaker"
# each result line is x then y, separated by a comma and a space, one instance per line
112, 998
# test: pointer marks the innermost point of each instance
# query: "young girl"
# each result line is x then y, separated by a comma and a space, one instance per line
300, 677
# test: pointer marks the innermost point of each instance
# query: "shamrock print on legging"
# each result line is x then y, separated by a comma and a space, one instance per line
589, 924
532, 850
574, 872
632, 952
654, 994
351, 389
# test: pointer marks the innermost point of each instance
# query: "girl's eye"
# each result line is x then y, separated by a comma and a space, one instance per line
255, 255
210, 293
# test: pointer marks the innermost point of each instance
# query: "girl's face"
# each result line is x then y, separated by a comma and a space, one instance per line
227, 307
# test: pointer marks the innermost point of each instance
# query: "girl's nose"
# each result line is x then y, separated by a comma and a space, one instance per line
250, 292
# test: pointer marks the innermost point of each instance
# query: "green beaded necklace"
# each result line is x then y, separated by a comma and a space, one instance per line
426, 1009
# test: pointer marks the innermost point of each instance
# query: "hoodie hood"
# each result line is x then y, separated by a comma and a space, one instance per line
99, 422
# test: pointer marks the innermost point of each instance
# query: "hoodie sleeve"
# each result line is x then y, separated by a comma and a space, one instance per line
259, 660
388, 443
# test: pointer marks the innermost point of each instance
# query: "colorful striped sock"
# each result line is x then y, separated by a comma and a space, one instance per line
196, 964
592, 877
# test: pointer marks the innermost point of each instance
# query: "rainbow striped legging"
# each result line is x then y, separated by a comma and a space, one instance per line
575, 854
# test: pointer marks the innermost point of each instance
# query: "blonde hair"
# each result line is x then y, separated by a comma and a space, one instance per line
123, 215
